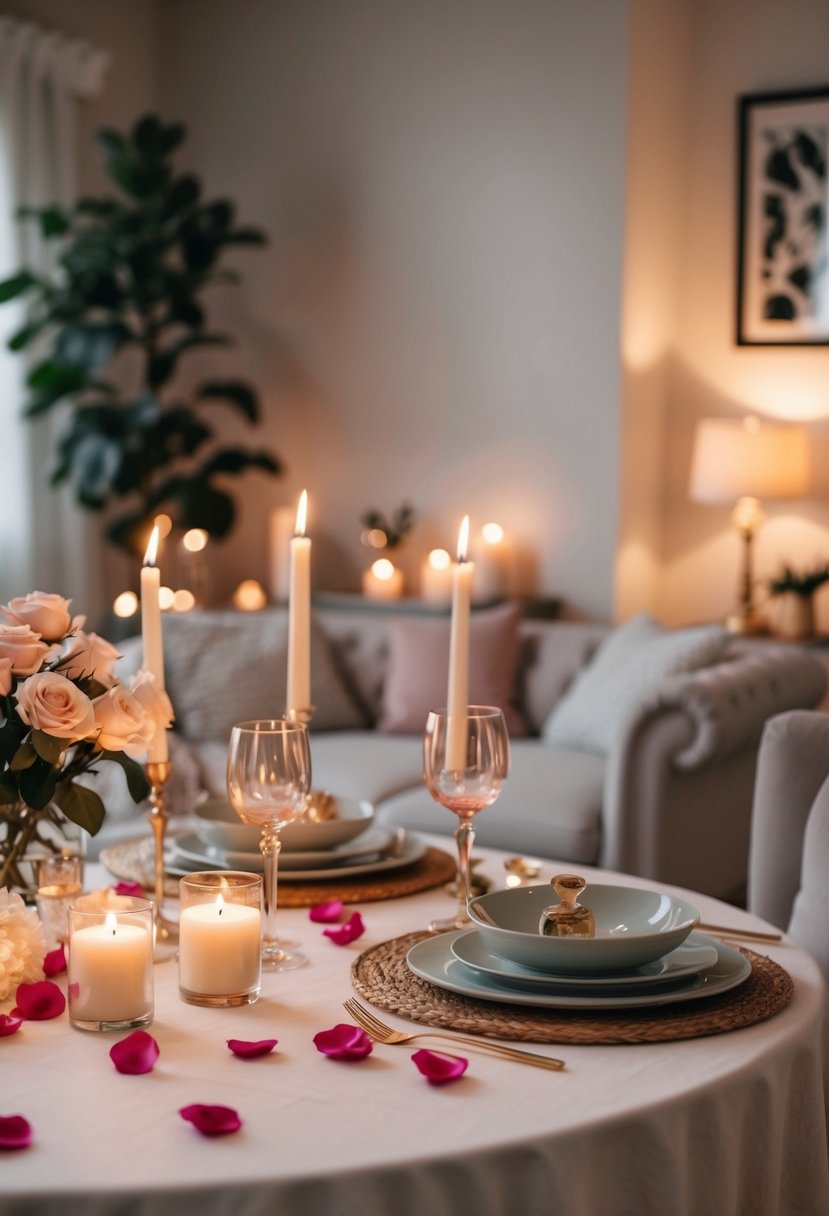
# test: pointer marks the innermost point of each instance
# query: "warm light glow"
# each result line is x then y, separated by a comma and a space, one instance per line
493, 534
382, 569
375, 538
111, 922
151, 555
439, 559
249, 596
164, 525
220, 904
195, 540
166, 598
125, 604
301, 514
513, 880
183, 600
733, 457
463, 540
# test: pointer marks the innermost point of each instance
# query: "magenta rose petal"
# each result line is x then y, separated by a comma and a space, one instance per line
39, 1001
212, 1120
15, 1131
129, 888
347, 933
9, 1024
55, 961
343, 1042
136, 1054
437, 1068
249, 1049
326, 913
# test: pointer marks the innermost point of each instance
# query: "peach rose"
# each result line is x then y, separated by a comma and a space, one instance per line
51, 703
5, 677
124, 727
90, 655
46, 614
24, 647
154, 700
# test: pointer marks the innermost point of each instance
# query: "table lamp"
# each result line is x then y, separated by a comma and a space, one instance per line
741, 461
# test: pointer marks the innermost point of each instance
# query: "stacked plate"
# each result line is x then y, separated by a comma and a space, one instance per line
644, 951
344, 842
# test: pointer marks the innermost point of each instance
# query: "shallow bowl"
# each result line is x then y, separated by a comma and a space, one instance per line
633, 926
345, 819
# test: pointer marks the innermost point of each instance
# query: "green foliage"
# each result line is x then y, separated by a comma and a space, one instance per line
395, 528
131, 273
804, 582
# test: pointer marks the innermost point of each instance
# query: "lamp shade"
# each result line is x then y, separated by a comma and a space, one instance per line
734, 457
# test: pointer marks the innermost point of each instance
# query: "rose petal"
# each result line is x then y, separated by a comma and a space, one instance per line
327, 913
437, 1068
212, 1120
343, 1042
129, 888
55, 961
40, 1000
136, 1054
347, 933
250, 1049
9, 1023
15, 1132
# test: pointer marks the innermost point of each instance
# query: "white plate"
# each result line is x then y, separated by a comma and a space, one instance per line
694, 955
433, 960
412, 850
370, 843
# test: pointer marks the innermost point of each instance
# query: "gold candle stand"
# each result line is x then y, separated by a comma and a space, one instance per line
158, 774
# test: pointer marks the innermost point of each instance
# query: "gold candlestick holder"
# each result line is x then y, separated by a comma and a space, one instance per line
158, 774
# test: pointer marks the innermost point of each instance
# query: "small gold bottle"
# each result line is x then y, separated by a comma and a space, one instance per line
567, 918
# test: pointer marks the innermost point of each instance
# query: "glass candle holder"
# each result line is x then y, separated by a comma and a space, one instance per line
219, 946
111, 965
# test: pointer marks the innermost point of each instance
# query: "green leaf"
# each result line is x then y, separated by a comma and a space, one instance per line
83, 806
16, 285
89, 347
53, 222
24, 335
203, 506
23, 758
245, 236
37, 784
237, 392
48, 747
137, 783
236, 460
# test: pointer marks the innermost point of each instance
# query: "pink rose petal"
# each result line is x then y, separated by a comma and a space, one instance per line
15, 1132
343, 1042
212, 1120
136, 1054
39, 1001
327, 913
250, 1049
55, 961
347, 933
437, 1068
9, 1023
129, 888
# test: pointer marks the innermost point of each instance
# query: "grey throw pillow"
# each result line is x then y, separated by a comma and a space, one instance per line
624, 674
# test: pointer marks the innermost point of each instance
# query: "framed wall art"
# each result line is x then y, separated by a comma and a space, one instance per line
783, 253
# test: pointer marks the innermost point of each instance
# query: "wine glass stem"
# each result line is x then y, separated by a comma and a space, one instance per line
270, 846
465, 836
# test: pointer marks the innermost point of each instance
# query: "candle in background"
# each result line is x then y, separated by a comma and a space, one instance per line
220, 938
436, 577
457, 701
281, 527
152, 637
111, 967
249, 596
492, 562
383, 581
299, 616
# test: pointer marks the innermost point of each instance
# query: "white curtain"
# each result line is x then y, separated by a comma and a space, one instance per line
46, 543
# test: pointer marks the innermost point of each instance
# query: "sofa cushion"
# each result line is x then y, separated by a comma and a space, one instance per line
418, 666
625, 672
550, 806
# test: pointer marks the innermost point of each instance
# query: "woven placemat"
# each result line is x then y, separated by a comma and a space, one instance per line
381, 976
132, 860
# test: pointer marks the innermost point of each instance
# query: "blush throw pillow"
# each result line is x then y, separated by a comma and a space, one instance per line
624, 674
418, 668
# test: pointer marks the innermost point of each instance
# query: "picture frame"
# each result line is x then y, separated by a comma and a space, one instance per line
783, 250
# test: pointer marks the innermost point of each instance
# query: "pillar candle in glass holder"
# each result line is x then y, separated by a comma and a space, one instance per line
111, 965
457, 700
219, 938
152, 636
382, 581
298, 693
436, 577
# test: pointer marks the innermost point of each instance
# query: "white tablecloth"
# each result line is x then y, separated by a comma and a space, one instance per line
729, 1125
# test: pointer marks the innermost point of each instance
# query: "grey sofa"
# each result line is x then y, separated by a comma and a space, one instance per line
666, 794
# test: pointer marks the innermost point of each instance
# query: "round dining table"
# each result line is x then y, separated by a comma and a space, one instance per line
730, 1124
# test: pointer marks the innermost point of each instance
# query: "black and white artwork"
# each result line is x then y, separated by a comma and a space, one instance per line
783, 273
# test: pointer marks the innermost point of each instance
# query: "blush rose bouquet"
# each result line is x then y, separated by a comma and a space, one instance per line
63, 714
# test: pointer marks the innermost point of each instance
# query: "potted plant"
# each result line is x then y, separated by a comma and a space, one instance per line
796, 589
112, 327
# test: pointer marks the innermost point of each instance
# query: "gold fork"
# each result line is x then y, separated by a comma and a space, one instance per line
384, 1034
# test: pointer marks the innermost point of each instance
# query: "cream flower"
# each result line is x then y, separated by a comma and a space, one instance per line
90, 655
24, 647
51, 703
5, 676
46, 614
154, 700
124, 726
22, 944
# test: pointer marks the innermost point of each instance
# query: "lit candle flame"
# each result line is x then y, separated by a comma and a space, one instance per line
150, 557
382, 569
439, 559
493, 534
111, 922
301, 514
220, 904
463, 540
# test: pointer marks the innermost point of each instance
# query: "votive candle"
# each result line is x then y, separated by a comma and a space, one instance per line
111, 967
